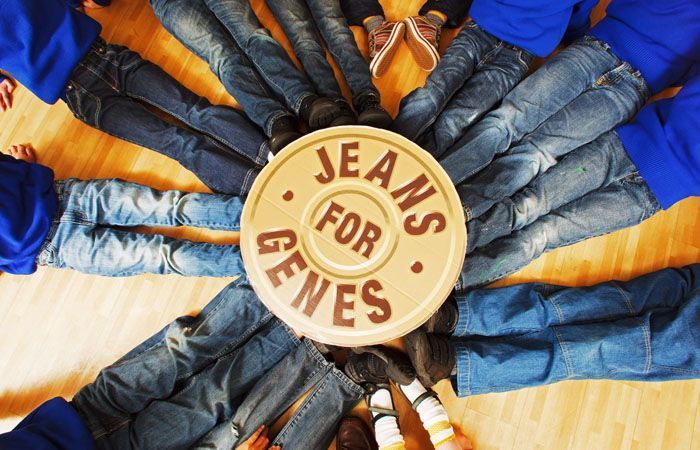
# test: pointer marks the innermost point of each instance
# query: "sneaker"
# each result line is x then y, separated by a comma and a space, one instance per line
319, 112
383, 43
376, 364
346, 117
373, 115
423, 38
432, 356
284, 132
354, 434
445, 319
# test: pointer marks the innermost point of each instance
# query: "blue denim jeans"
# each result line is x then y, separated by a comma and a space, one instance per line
475, 73
198, 29
82, 236
594, 190
268, 56
577, 95
535, 334
209, 381
109, 90
309, 23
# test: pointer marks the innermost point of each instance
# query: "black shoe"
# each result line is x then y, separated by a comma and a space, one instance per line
319, 112
284, 132
373, 115
346, 117
325, 348
432, 356
445, 319
377, 368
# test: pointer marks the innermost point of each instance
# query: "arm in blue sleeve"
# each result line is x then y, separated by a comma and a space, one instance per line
580, 21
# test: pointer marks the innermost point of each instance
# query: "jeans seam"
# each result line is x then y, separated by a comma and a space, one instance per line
647, 345
558, 310
625, 298
565, 352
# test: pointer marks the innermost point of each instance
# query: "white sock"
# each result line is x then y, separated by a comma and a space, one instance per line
386, 429
432, 414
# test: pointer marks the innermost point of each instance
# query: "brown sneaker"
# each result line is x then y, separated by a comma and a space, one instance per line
423, 38
383, 43
354, 434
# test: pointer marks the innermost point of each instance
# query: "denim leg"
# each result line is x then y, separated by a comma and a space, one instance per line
356, 11
593, 166
549, 89
648, 334
269, 57
455, 10
619, 205
299, 27
196, 27
341, 44
121, 203
620, 96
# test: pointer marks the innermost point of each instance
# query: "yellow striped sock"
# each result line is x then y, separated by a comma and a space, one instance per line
441, 431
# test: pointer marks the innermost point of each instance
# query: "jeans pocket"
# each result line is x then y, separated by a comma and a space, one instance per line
84, 105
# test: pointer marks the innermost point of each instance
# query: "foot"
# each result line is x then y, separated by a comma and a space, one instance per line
373, 115
423, 38
354, 434
378, 364
346, 117
432, 356
383, 43
23, 152
444, 320
319, 112
284, 132
464, 442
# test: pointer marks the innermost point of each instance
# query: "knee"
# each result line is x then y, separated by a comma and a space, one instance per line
309, 47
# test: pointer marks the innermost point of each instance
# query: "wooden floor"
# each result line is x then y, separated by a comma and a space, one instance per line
58, 328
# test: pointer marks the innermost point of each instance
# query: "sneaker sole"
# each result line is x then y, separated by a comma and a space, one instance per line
381, 61
426, 56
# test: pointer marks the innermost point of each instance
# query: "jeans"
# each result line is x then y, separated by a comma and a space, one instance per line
209, 381
594, 190
302, 20
108, 90
358, 10
576, 96
475, 73
82, 236
268, 56
198, 29
535, 334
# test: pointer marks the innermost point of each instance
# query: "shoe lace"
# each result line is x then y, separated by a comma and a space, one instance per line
379, 37
429, 30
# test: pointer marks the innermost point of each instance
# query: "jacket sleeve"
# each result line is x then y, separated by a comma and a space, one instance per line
580, 21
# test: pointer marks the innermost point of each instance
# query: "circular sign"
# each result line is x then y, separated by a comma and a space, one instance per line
353, 236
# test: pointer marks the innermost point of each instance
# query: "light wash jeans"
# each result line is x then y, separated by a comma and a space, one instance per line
475, 73
209, 381
577, 95
535, 334
83, 237
310, 23
594, 190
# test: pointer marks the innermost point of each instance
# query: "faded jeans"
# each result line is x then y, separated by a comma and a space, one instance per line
209, 381
535, 334
475, 73
83, 237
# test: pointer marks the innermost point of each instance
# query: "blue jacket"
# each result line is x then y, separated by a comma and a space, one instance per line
664, 143
660, 38
54, 425
41, 42
27, 205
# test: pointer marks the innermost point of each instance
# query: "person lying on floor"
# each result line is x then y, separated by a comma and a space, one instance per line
70, 224
56, 52
533, 334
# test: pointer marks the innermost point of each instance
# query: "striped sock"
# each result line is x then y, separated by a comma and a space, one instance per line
386, 429
436, 17
373, 22
432, 414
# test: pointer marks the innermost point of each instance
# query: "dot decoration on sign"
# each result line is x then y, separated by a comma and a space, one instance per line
417, 267
288, 196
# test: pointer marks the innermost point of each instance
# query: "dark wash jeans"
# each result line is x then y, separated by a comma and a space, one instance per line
198, 29
309, 23
475, 73
535, 334
594, 190
358, 10
109, 89
209, 381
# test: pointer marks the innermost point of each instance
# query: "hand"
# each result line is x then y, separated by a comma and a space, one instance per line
23, 152
258, 441
7, 86
90, 4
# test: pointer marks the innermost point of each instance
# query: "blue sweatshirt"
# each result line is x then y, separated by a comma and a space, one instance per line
660, 38
41, 42
664, 143
535, 25
27, 205
54, 425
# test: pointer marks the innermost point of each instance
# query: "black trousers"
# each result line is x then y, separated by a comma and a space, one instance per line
356, 11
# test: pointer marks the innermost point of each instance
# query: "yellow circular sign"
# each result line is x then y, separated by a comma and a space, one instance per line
353, 236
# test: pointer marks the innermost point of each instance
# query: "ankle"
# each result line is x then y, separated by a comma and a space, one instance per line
436, 17
373, 22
